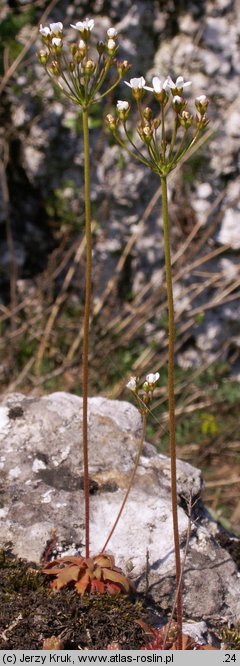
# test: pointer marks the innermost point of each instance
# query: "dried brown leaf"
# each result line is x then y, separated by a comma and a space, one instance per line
98, 573
97, 586
113, 588
116, 577
82, 583
52, 643
66, 575
106, 561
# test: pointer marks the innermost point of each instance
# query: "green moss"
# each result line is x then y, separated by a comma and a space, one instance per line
106, 602
231, 637
17, 575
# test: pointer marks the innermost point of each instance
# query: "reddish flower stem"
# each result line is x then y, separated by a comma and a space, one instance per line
88, 276
130, 483
171, 403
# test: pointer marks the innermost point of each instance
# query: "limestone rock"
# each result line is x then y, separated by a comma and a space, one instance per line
42, 487
229, 231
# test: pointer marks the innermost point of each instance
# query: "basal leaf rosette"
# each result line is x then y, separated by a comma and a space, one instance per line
93, 574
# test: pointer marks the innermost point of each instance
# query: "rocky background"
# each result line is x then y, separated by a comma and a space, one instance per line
42, 229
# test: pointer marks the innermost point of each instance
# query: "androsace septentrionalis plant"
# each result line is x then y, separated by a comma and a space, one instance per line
82, 77
162, 156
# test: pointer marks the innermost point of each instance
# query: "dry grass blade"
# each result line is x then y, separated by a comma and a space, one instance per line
222, 482
58, 303
139, 317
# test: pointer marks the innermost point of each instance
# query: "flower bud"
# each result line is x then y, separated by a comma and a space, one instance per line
82, 46
57, 45
147, 113
111, 122
89, 67
123, 67
156, 122
186, 119
101, 47
146, 133
123, 109
201, 104
112, 33
43, 57
111, 47
81, 51
201, 122
54, 68
178, 103
46, 34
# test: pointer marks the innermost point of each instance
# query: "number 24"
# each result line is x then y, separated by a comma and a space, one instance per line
229, 657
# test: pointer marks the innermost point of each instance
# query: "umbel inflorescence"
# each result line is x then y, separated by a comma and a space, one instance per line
79, 70
161, 153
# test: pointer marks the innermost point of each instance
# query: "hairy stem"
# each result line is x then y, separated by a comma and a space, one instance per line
144, 423
171, 402
88, 275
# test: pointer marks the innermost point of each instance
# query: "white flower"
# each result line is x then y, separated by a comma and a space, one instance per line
122, 106
87, 24
81, 44
158, 86
152, 378
111, 33
136, 84
44, 31
111, 44
56, 41
180, 83
202, 99
132, 384
177, 99
56, 27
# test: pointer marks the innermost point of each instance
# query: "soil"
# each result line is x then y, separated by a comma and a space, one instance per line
31, 612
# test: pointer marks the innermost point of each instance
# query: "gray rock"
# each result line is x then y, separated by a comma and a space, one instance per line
41, 488
198, 631
229, 231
